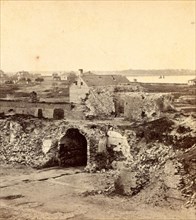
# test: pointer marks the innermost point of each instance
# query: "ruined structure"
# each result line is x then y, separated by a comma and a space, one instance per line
95, 96
140, 106
158, 155
82, 85
146, 149
39, 143
101, 103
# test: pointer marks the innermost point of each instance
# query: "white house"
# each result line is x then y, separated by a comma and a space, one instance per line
64, 77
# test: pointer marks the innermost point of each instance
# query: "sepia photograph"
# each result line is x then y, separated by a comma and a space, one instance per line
97, 110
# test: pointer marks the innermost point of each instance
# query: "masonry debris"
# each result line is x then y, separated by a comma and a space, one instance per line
104, 103
146, 148
163, 162
152, 159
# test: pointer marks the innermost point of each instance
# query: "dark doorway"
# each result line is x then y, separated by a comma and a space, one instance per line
40, 113
58, 113
73, 149
11, 112
119, 108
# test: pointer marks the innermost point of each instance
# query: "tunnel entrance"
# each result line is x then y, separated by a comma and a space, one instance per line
73, 149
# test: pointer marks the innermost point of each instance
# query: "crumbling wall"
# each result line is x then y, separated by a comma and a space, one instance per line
146, 106
104, 102
156, 158
99, 103
29, 108
35, 142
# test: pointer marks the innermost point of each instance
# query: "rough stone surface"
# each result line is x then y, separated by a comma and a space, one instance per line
99, 103
146, 106
157, 155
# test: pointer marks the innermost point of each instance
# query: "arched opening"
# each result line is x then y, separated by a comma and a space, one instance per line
11, 112
40, 113
143, 114
58, 113
73, 149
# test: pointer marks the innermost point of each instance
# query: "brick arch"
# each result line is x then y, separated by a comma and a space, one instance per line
79, 141
92, 140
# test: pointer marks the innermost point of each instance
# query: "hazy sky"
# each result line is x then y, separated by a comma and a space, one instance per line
106, 35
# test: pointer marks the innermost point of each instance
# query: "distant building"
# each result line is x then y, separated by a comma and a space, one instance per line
22, 75
81, 86
72, 76
64, 76
60, 75
56, 77
192, 82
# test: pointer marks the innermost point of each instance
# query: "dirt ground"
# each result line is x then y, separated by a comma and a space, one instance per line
64, 194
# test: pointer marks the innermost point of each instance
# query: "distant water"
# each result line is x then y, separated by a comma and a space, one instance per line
161, 79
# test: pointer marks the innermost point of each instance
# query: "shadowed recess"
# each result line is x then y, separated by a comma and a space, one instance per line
73, 149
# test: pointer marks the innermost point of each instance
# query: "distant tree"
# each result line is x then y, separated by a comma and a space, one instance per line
55, 86
28, 80
71, 78
23, 73
33, 97
39, 79
23, 79
54, 74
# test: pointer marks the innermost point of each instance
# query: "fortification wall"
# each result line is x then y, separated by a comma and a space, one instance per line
29, 108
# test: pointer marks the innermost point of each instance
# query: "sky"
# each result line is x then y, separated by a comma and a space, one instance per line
97, 35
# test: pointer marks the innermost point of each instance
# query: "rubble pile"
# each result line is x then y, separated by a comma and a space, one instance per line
20, 143
163, 159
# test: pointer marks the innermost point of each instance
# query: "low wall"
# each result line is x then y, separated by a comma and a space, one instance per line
29, 108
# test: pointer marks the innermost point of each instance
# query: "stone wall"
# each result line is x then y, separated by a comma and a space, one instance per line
78, 92
146, 106
100, 102
29, 108
35, 142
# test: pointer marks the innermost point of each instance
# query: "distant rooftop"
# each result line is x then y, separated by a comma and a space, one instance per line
104, 80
